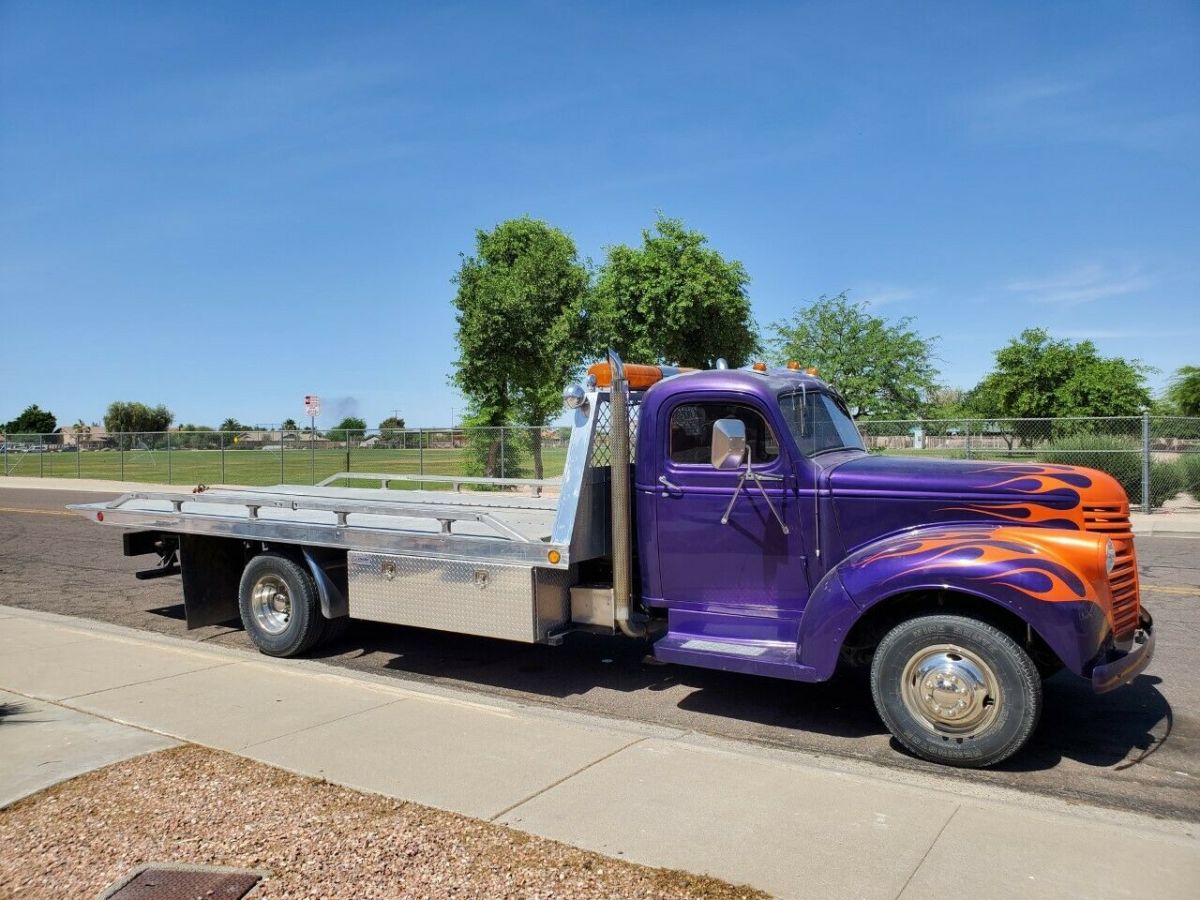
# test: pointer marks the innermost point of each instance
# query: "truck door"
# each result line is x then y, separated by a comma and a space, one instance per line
748, 566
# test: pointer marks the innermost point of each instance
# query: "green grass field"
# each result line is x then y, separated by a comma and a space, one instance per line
250, 467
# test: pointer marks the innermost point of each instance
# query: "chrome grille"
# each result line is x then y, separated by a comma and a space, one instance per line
1112, 520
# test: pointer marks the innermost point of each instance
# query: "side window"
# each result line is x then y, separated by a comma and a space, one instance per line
691, 432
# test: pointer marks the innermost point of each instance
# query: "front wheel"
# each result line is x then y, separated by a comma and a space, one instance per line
955, 690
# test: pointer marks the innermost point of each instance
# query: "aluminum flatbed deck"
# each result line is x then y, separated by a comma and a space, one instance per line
471, 525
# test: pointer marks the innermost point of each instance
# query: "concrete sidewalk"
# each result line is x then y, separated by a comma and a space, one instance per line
791, 825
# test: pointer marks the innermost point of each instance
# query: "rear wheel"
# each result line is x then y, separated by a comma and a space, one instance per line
279, 605
956, 690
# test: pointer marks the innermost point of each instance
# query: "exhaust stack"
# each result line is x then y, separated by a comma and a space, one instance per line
622, 541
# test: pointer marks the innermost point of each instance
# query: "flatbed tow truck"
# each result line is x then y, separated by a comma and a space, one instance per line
731, 517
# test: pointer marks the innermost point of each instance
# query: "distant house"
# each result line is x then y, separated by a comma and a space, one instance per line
87, 437
265, 438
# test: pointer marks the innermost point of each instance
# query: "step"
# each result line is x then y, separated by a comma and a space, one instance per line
771, 658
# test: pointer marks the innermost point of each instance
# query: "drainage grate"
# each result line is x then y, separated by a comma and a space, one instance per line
171, 882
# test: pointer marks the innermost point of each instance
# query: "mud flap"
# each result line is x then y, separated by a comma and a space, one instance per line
212, 569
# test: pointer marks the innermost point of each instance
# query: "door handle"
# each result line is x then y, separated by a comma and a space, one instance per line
667, 485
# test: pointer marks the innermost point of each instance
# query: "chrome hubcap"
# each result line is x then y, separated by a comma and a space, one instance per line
271, 604
950, 690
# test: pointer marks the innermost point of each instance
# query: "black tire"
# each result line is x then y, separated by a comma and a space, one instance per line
335, 629
284, 617
931, 669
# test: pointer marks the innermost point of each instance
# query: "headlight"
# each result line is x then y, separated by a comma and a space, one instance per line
1110, 557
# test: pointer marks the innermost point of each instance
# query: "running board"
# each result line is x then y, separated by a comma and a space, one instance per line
770, 658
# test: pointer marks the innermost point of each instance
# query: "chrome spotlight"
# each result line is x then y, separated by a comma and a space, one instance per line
574, 396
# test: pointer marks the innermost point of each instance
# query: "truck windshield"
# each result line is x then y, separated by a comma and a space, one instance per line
819, 422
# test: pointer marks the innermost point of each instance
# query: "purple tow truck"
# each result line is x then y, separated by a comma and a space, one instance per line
731, 517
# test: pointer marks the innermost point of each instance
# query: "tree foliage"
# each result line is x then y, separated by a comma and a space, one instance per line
1184, 390
289, 425
672, 300
884, 370
351, 428
130, 416
32, 420
1037, 376
520, 300
232, 424
392, 423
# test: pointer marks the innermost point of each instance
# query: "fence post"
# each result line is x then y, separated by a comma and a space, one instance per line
78, 451
282, 473
41, 463
121, 453
168, 457
312, 440
1146, 461
502, 430
968, 427
222, 434
421, 451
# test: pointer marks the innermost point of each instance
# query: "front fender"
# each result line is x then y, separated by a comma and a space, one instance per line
1052, 580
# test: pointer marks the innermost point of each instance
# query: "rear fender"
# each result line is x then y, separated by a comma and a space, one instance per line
1054, 581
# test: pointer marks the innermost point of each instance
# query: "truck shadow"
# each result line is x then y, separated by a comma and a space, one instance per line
1119, 729
1116, 729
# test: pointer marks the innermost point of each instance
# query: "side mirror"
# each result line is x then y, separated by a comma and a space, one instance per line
728, 443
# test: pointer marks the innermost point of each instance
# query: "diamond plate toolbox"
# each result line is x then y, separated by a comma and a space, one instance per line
519, 603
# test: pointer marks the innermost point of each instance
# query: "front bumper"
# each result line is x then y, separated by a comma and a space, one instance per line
1129, 665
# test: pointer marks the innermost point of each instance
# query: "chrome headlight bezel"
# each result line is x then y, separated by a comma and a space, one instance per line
1110, 556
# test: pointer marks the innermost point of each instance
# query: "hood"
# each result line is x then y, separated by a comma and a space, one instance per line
877, 495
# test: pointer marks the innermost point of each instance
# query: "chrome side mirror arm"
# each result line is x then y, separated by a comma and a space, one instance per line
748, 474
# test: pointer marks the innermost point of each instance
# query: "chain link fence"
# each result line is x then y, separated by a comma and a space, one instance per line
1156, 459
267, 457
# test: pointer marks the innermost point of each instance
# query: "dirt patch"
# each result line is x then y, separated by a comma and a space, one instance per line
199, 806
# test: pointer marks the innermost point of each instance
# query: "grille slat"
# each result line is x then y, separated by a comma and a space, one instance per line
1112, 521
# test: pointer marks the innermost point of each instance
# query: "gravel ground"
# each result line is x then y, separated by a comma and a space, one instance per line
198, 806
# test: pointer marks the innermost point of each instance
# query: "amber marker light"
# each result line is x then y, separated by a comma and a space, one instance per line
639, 375
811, 370
759, 367
793, 365
554, 557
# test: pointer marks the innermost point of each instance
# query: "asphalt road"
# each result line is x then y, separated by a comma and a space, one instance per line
1137, 748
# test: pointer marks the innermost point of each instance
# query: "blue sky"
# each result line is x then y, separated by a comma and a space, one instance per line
224, 207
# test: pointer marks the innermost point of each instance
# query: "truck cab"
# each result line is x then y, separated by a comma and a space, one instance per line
732, 518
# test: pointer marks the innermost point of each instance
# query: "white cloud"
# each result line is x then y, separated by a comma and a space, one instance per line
1083, 284
1077, 110
882, 294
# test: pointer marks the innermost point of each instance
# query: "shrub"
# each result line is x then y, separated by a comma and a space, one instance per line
1122, 459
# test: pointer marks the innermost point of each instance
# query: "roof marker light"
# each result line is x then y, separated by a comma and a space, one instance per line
759, 367
639, 375
793, 365
811, 370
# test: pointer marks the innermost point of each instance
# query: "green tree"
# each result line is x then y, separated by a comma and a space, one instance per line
1184, 390
673, 300
520, 303
391, 431
946, 404
289, 425
130, 416
232, 424
32, 420
884, 369
351, 428
1037, 376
